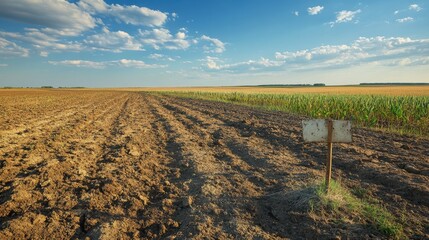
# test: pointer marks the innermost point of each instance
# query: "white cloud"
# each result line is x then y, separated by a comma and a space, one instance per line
156, 56
138, 15
80, 63
136, 64
396, 12
404, 20
103, 64
42, 41
381, 50
93, 6
3, 65
113, 41
44, 54
11, 49
411, 61
395, 51
214, 63
345, 16
56, 21
415, 7
54, 14
296, 13
131, 14
216, 45
181, 35
314, 10
162, 38
211, 63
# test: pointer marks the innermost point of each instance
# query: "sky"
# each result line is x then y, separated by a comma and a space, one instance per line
141, 43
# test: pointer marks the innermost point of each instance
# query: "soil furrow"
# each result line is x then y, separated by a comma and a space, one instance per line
53, 168
127, 165
408, 190
254, 151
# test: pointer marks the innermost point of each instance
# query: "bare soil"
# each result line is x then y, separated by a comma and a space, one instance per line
124, 165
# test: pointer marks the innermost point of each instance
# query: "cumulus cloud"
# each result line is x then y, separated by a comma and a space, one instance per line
103, 64
54, 20
62, 25
138, 15
296, 13
395, 51
162, 38
377, 49
404, 20
11, 49
55, 14
345, 16
93, 6
211, 63
415, 7
215, 45
131, 14
314, 10
40, 40
113, 41
181, 35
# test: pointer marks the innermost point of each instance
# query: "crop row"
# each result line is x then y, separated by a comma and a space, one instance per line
404, 114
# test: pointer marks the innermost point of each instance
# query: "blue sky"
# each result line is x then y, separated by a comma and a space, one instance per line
96, 43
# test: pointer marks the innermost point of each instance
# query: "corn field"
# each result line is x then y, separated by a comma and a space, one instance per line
403, 114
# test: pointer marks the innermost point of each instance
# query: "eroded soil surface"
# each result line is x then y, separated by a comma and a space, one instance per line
118, 165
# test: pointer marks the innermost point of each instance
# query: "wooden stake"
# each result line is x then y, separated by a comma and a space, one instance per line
329, 156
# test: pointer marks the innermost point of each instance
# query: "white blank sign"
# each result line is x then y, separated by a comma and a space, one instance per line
317, 130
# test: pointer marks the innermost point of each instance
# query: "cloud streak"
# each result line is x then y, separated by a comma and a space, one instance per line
103, 64
11, 49
405, 20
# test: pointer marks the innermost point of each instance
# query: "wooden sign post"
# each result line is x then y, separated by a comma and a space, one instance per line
328, 131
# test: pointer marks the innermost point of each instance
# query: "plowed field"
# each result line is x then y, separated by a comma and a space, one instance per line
119, 165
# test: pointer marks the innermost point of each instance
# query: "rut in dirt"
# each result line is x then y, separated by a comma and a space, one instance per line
135, 165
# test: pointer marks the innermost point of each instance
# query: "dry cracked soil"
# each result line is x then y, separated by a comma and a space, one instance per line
126, 165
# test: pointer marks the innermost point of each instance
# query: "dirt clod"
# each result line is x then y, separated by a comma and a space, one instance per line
411, 169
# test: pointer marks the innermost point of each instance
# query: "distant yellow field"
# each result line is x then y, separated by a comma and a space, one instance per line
347, 90
371, 90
